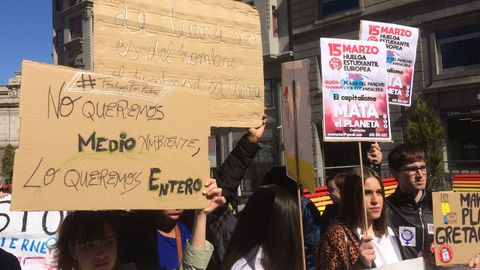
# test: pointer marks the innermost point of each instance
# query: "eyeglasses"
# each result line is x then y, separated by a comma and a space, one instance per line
414, 170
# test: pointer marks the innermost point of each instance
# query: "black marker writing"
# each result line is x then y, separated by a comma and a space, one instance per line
121, 109
184, 187
102, 178
84, 82
103, 144
156, 143
62, 102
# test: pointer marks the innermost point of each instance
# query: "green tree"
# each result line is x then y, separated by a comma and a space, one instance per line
425, 130
7, 161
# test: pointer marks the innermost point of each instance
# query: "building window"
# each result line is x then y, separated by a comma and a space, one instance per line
76, 27
59, 38
272, 86
274, 21
342, 157
268, 93
329, 7
59, 5
463, 137
263, 162
458, 47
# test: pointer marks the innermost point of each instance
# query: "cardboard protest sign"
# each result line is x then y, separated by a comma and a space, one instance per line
355, 106
456, 218
90, 141
296, 99
211, 46
401, 42
29, 235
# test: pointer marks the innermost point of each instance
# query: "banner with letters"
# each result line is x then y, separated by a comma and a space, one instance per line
29, 235
456, 218
90, 142
211, 46
355, 106
401, 42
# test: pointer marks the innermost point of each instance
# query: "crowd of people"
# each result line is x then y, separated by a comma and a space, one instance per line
362, 229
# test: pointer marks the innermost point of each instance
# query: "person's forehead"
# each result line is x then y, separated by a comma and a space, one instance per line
108, 236
372, 183
415, 164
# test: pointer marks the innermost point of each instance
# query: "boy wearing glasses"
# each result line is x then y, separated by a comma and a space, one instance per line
409, 210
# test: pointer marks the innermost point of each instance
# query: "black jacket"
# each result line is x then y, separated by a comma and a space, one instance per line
412, 223
8, 261
233, 168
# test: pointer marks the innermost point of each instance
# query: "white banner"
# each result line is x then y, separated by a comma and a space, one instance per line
29, 235
296, 89
416, 264
354, 78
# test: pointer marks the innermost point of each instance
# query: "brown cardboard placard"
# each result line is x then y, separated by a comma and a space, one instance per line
456, 218
298, 136
210, 46
90, 141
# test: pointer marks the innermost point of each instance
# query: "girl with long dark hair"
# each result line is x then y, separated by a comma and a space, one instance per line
267, 235
343, 246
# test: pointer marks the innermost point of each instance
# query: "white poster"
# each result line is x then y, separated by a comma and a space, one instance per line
401, 42
296, 95
354, 78
416, 264
29, 235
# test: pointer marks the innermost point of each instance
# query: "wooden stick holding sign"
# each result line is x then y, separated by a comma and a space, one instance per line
297, 170
296, 129
362, 178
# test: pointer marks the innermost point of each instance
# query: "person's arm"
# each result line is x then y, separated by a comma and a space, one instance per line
214, 194
198, 251
374, 157
233, 168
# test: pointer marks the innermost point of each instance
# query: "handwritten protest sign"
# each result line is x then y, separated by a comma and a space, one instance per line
212, 46
29, 235
456, 218
354, 89
296, 89
90, 141
401, 42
